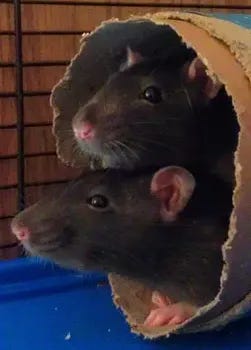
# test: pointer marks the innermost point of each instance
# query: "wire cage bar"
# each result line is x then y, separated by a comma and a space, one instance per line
19, 104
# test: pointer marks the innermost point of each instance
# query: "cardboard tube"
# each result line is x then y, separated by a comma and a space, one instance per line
225, 48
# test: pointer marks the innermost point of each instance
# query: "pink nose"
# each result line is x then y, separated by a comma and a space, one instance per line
22, 232
85, 131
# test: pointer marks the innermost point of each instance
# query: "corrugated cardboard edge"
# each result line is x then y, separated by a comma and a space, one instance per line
237, 38
64, 84
234, 313
126, 293
233, 74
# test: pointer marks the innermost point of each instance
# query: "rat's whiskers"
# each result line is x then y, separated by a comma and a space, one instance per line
133, 153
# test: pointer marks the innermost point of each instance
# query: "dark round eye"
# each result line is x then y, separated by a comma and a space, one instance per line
152, 94
98, 201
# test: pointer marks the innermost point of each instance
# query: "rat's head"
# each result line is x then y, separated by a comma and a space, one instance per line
101, 216
147, 113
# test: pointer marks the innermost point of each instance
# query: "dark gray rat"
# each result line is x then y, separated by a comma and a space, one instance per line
161, 228
157, 112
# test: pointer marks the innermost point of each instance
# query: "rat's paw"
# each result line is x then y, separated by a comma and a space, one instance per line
173, 314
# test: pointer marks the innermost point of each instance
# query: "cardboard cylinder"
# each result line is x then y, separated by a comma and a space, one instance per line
225, 48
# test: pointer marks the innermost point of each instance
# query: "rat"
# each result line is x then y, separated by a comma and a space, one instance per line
162, 227
159, 111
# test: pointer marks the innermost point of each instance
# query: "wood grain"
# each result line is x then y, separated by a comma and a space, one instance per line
7, 111
84, 18
37, 140
8, 139
225, 3
6, 237
52, 48
7, 48
37, 169
10, 253
79, 18
40, 48
42, 78
36, 79
7, 17
8, 204
53, 18
8, 172
7, 79
37, 110
47, 169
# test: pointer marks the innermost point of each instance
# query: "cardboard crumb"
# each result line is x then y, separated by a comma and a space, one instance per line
68, 336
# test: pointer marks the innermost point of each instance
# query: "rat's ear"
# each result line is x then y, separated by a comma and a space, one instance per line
132, 58
197, 71
173, 186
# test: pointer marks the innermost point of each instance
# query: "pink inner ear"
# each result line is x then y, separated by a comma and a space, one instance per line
168, 198
165, 195
132, 58
197, 70
164, 189
161, 180
173, 187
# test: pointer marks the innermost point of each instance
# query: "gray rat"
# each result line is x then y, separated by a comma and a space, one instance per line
161, 228
157, 112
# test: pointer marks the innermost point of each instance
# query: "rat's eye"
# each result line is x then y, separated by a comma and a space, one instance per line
152, 94
98, 202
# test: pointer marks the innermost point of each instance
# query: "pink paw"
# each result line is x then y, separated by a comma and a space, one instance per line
167, 313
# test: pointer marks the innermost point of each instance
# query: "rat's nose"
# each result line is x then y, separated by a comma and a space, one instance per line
21, 232
84, 131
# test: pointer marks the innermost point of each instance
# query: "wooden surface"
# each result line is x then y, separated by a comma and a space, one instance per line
44, 45
214, 3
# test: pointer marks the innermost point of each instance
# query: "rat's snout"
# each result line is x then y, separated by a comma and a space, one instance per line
84, 131
20, 231
43, 234
83, 123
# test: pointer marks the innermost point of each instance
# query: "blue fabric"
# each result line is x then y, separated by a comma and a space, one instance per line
243, 20
43, 307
